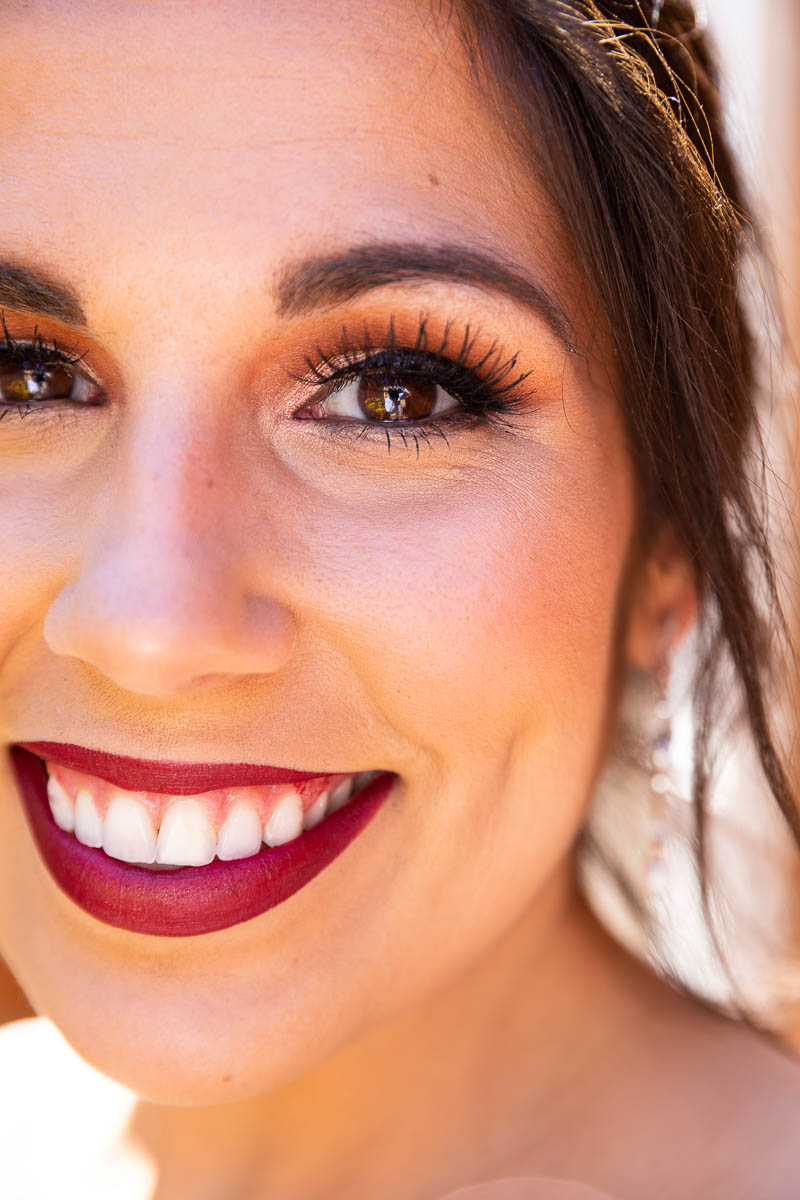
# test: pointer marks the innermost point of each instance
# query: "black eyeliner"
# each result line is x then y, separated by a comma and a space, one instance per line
487, 390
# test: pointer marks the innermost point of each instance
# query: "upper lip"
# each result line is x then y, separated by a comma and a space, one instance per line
167, 778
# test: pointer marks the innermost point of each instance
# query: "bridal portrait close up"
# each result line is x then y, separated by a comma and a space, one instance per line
396, 609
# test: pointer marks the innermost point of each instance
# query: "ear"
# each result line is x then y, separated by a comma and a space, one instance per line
664, 603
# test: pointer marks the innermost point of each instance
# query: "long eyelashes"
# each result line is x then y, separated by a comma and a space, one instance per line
36, 348
488, 386
42, 364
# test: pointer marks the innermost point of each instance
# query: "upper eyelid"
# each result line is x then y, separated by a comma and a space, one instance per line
370, 360
52, 351
344, 372
457, 345
37, 343
451, 348
78, 365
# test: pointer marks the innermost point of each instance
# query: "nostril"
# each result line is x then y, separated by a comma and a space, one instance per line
156, 642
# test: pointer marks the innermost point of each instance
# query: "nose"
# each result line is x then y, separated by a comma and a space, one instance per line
166, 597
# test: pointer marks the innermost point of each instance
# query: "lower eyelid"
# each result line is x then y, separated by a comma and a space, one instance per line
435, 431
57, 416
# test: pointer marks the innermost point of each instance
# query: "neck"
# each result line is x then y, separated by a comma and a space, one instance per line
486, 1073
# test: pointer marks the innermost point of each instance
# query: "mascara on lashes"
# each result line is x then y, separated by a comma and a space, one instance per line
486, 389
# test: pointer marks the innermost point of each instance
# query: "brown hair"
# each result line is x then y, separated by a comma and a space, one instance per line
627, 118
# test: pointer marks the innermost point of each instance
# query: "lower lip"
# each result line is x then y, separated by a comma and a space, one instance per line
187, 901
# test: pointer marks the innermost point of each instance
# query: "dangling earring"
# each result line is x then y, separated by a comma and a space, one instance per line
662, 790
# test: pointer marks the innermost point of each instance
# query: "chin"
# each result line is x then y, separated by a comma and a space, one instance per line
188, 1055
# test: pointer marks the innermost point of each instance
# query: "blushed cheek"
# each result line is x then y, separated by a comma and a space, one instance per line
27, 582
50, 501
488, 613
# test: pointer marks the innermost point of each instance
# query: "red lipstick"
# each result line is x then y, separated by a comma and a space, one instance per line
184, 901
176, 779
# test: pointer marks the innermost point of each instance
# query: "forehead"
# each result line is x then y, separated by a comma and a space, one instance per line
233, 132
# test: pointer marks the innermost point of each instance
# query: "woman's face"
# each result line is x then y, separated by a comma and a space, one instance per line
206, 560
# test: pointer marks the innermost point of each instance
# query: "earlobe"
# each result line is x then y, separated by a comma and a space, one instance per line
664, 604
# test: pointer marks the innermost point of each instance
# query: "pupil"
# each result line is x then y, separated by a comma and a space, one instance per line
406, 399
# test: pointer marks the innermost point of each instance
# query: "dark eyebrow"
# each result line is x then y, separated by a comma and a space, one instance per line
25, 288
323, 281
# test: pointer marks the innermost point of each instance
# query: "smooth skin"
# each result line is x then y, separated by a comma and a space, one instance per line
190, 571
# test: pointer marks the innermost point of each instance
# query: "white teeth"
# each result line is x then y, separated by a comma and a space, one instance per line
186, 837
241, 833
317, 812
61, 806
128, 832
340, 795
286, 821
88, 825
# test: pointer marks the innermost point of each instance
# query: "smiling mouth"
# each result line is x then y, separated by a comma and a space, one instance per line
176, 849
169, 830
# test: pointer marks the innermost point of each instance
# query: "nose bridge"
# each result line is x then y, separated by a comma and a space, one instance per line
156, 540
167, 495
161, 597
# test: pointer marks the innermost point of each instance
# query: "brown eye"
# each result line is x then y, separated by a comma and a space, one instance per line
31, 383
381, 399
23, 384
398, 399
405, 398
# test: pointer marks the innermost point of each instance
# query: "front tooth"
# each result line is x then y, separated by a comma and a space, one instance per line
286, 821
88, 825
340, 795
128, 832
61, 806
316, 812
241, 833
186, 837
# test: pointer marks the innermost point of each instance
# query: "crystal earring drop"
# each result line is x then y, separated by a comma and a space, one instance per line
662, 793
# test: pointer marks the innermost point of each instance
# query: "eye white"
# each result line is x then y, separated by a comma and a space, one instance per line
83, 390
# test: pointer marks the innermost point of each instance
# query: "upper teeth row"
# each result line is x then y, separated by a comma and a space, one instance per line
187, 837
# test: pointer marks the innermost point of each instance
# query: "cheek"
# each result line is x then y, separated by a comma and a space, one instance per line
37, 552
27, 558
477, 618
484, 609
481, 623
